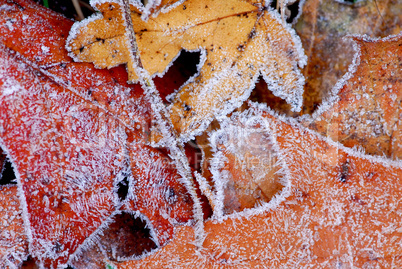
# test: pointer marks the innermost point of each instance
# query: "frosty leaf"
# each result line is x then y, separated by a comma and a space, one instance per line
245, 166
125, 237
156, 198
153, 7
13, 240
239, 40
2, 163
63, 168
158, 178
65, 126
341, 208
322, 26
365, 110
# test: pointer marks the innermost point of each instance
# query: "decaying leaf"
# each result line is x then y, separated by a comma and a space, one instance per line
340, 209
245, 166
238, 40
322, 27
13, 240
69, 128
365, 108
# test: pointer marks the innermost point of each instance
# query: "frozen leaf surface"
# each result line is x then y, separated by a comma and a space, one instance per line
365, 109
245, 166
13, 240
322, 28
69, 130
157, 178
342, 210
66, 175
238, 40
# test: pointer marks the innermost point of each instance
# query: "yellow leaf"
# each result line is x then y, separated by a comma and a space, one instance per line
238, 40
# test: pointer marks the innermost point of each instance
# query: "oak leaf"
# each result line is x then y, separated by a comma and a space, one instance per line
340, 208
365, 107
238, 40
70, 131
322, 27
13, 240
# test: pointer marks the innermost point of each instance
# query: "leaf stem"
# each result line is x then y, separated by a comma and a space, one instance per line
175, 147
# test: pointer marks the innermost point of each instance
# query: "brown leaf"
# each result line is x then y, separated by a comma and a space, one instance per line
239, 41
322, 26
13, 240
245, 165
365, 110
340, 209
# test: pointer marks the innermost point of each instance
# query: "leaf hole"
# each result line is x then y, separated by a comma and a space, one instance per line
7, 175
127, 236
252, 172
122, 189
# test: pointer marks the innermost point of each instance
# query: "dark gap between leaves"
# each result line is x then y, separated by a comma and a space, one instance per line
126, 236
262, 94
122, 189
293, 8
67, 8
184, 67
7, 175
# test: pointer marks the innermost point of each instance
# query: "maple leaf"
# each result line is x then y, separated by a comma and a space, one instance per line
70, 142
238, 40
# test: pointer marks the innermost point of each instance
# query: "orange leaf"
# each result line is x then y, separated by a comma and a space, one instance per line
365, 110
322, 27
245, 166
13, 240
340, 208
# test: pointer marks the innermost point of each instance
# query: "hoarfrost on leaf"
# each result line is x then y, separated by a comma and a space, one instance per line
68, 131
239, 41
246, 168
362, 109
336, 211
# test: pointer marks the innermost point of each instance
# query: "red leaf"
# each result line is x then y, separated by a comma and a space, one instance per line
71, 131
13, 241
